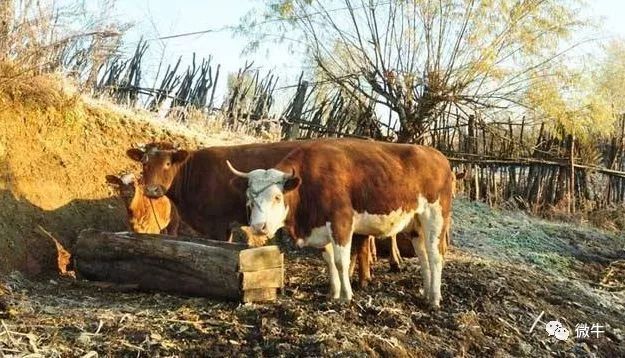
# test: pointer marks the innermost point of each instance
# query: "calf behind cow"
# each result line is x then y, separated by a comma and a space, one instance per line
145, 215
326, 192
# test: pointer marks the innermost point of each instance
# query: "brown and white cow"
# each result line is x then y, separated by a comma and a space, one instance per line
395, 252
145, 215
325, 192
198, 182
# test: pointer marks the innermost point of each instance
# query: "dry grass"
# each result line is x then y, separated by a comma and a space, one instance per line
45, 36
612, 219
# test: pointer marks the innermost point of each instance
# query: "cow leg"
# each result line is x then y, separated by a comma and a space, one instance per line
352, 262
373, 252
447, 229
433, 222
341, 259
418, 243
335, 282
361, 255
364, 262
341, 233
444, 242
358, 249
395, 255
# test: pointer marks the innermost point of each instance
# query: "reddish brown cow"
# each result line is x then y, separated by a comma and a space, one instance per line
198, 182
145, 215
327, 191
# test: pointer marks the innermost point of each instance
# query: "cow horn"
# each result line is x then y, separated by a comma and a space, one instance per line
291, 176
236, 172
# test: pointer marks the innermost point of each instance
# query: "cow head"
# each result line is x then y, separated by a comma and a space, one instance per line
264, 190
161, 162
124, 184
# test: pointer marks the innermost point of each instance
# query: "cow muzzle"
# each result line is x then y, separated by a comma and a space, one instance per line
154, 191
260, 228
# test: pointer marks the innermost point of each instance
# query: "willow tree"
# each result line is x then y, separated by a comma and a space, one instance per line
423, 58
584, 101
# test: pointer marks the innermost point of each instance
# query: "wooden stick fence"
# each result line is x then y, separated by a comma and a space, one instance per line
520, 161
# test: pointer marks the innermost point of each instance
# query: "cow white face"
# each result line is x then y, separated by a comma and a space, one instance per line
265, 198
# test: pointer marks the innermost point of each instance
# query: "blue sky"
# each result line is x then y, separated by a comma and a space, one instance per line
158, 18
155, 18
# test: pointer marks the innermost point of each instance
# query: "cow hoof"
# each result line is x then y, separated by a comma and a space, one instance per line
435, 306
361, 284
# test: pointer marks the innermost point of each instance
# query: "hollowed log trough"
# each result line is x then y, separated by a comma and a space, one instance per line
181, 265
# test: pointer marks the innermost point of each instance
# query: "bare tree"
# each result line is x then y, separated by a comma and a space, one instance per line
420, 58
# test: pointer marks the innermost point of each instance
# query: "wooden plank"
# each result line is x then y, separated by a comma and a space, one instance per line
260, 295
269, 278
260, 258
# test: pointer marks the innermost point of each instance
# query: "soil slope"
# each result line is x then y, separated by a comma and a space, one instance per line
56, 147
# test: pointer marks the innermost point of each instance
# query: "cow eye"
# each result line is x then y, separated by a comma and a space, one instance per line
277, 198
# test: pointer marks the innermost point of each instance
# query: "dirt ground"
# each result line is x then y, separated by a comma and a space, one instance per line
490, 303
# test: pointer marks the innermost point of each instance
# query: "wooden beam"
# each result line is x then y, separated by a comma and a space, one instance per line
180, 265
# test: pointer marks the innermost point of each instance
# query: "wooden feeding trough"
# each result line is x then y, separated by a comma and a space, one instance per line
195, 267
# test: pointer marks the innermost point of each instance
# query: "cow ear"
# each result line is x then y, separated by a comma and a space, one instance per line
291, 184
239, 184
179, 156
114, 180
460, 176
135, 154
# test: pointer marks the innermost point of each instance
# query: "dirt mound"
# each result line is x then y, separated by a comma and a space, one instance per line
55, 149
